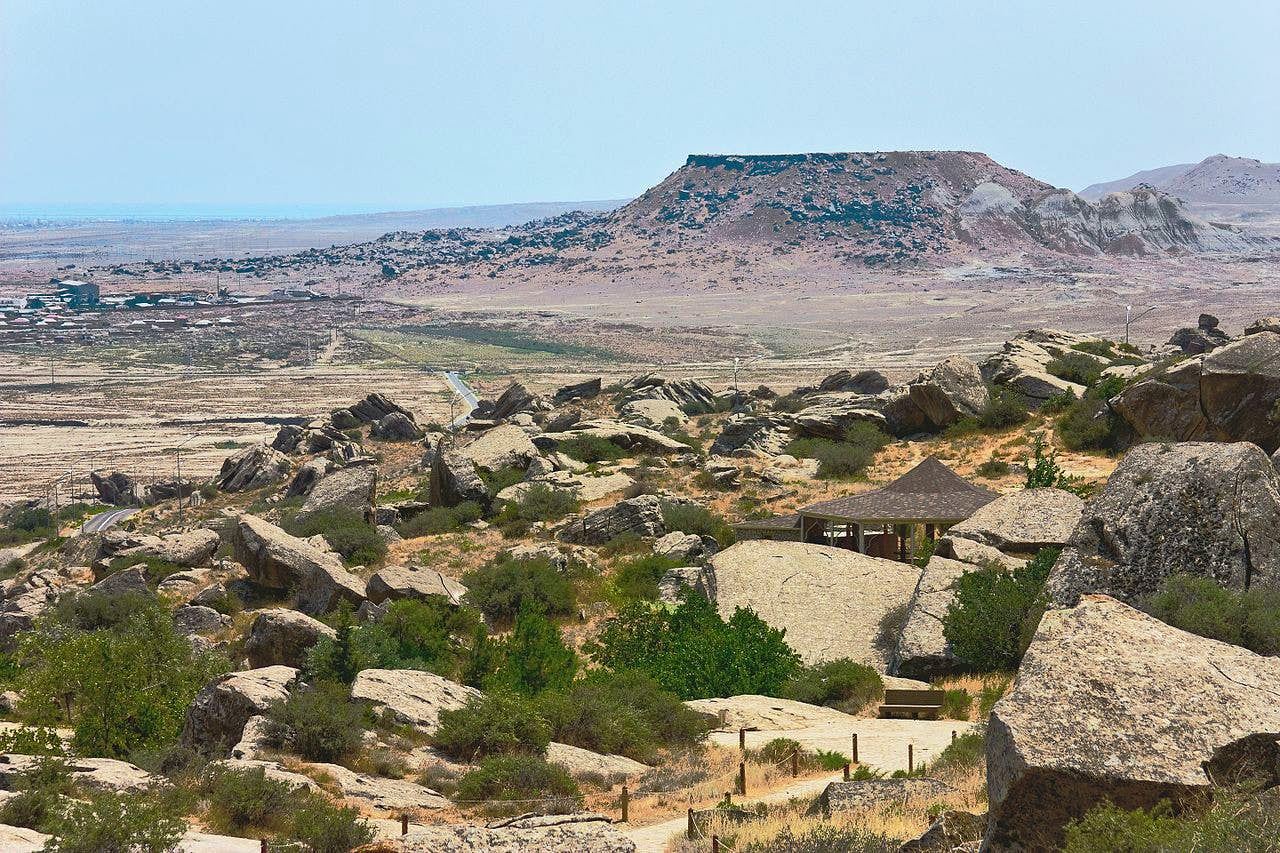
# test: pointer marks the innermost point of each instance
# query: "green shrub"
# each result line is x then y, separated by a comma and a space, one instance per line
993, 469
1236, 820
1075, 367
520, 778
156, 568
39, 792
956, 703
1044, 472
539, 503
246, 799
1005, 408
692, 652
1058, 403
625, 713
107, 822
500, 588
496, 481
842, 459
91, 611
994, 613
29, 740
590, 448
1099, 348
534, 658
842, 683
698, 520
637, 579
106, 682
496, 723
1249, 618
355, 539
322, 827
320, 724
964, 754
825, 838
440, 520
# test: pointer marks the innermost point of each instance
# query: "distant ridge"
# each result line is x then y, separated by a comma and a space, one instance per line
1215, 180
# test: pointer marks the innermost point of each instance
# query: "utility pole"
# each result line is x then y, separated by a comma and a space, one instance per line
1130, 318
182, 515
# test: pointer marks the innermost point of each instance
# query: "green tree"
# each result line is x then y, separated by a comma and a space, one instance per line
534, 658
497, 723
121, 688
500, 588
695, 654
994, 613
107, 822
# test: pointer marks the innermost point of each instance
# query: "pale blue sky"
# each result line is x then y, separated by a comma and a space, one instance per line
391, 105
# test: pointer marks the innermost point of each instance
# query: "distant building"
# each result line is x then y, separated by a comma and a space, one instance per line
78, 293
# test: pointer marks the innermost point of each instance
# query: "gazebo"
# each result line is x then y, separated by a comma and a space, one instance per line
881, 522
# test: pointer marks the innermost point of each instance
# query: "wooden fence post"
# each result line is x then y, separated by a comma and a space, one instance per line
854, 757
689, 832
263, 846
795, 764
715, 844
910, 757
742, 778
404, 824
846, 771
742, 740
625, 811
953, 735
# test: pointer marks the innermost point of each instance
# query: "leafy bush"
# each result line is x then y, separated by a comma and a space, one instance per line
590, 448
1249, 618
1235, 821
1076, 367
498, 480
993, 469
440, 520
39, 791
320, 724
825, 838
244, 799
534, 658
623, 713
496, 723
28, 740
107, 822
121, 688
955, 704
521, 778
91, 611
540, 503
500, 588
156, 568
842, 459
1004, 408
695, 654
842, 683
1044, 472
964, 754
637, 579
322, 827
1089, 423
994, 613
355, 539
698, 520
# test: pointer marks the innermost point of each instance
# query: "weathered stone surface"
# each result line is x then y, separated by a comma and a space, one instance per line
504, 446
375, 407
1112, 704
126, 580
674, 581
414, 696
975, 553
196, 619
1023, 363
922, 650
270, 769
1204, 337
680, 546
252, 468
396, 582
283, 637
384, 795
829, 600
689, 394
27, 599
1227, 395
328, 585
275, 559
104, 774
454, 480
641, 516
116, 488
311, 473
1023, 522
577, 761
396, 426
870, 794
586, 487
16, 839
766, 713
652, 413
254, 739
947, 833
831, 415
587, 390
352, 489
216, 717
625, 435
752, 435
862, 382
1264, 324
1192, 508
579, 833
190, 548
952, 390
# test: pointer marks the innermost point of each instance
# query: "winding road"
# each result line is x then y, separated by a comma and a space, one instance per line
110, 518
468, 396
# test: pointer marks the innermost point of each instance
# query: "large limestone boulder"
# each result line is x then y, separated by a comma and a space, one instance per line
396, 582
1111, 704
575, 833
922, 651
831, 415
454, 480
275, 559
1023, 522
283, 637
579, 761
652, 413
115, 489
217, 716
766, 713
952, 390
352, 489
586, 390
830, 601
252, 468
630, 436
396, 796
504, 446
753, 435
104, 774
307, 476
862, 382
396, 426
1229, 394
1192, 508
1022, 364
641, 516
374, 408
191, 548
413, 696
586, 487
326, 586
875, 794
691, 395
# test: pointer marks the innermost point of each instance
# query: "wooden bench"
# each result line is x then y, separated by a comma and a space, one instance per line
916, 704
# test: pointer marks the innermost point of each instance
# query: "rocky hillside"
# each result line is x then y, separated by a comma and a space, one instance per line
1215, 180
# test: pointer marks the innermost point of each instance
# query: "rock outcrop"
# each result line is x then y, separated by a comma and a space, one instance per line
862, 382
282, 637
1023, 522
586, 390
653, 414
217, 716
579, 761
1192, 508
504, 446
275, 559
115, 489
922, 651
396, 582
1203, 337
252, 468
388, 796
352, 489
413, 696
396, 426
454, 480
640, 516
574, 833
189, 549
328, 585
691, 395
873, 794
1111, 704
1023, 364
830, 601
746, 434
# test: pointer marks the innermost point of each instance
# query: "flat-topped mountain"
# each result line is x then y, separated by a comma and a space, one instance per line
1215, 180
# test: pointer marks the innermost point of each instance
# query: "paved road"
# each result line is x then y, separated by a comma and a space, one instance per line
103, 520
468, 396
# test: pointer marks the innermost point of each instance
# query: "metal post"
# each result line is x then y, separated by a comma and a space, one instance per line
854, 757
625, 804
742, 778
689, 832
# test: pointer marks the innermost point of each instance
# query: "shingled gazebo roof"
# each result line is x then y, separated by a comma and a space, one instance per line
929, 492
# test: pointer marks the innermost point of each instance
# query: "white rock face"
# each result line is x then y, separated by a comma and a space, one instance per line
1024, 521
829, 600
575, 833
385, 795
652, 413
577, 760
504, 446
352, 489
396, 582
414, 696
1112, 704
106, 774
270, 769
274, 558
283, 636
217, 716
767, 713
922, 649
